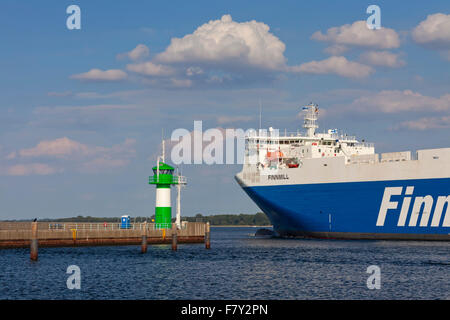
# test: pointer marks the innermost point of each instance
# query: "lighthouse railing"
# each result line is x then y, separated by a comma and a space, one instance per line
168, 179
181, 179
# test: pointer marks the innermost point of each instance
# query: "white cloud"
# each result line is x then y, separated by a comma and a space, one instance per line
218, 52
99, 75
31, 169
335, 65
224, 51
151, 69
62, 147
433, 32
382, 58
141, 51
225, 43
426, 123
105, 158
68, 153
357, 34
194, 71
181, 83
392, 101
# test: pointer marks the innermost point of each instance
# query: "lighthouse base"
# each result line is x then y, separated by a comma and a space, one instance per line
163, 218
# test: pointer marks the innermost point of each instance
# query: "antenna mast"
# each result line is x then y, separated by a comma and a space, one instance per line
310, 119
260, 113
163, 151
163, 148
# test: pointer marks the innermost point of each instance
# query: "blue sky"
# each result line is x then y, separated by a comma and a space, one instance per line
81, 111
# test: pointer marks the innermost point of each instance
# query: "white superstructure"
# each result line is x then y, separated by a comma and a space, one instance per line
274, 157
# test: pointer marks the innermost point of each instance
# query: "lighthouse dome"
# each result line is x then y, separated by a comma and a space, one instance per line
163, 169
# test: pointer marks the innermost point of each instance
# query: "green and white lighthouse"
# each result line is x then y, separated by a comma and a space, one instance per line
163, 177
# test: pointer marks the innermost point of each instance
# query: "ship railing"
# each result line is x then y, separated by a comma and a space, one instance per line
365, 144
254, 136
265, 134
343, 137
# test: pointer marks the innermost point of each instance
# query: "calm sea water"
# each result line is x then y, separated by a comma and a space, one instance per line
238, 266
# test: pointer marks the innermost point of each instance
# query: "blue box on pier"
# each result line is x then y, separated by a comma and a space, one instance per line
125, 222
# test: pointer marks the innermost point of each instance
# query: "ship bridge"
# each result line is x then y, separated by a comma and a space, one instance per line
274, 149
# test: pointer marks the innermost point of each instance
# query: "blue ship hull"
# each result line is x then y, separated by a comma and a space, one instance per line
350, 210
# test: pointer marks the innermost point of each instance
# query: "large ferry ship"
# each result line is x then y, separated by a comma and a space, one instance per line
331, 185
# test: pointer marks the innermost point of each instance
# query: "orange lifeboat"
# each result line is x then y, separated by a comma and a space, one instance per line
274, 154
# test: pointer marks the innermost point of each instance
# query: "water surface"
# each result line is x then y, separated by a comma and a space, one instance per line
238, 266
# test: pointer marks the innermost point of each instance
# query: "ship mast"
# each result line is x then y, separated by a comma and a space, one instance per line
310, 119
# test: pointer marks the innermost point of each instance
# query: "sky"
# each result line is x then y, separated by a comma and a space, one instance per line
83, 111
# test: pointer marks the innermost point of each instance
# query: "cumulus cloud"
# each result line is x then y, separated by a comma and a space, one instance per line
100, 75
104, 158
151, 69
425, 124
383, 59
433, 32
357, 34
181, 83
69, 153
226, 43
335, 65
31, 169
194, 71
61, 147
393, 101
223, 51
140, 52
217, 53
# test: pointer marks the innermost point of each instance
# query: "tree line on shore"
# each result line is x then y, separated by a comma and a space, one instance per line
258, 219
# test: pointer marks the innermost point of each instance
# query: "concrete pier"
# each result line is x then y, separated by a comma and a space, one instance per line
55, 234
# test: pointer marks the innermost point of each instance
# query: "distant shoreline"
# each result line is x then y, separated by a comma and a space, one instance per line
257, 220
